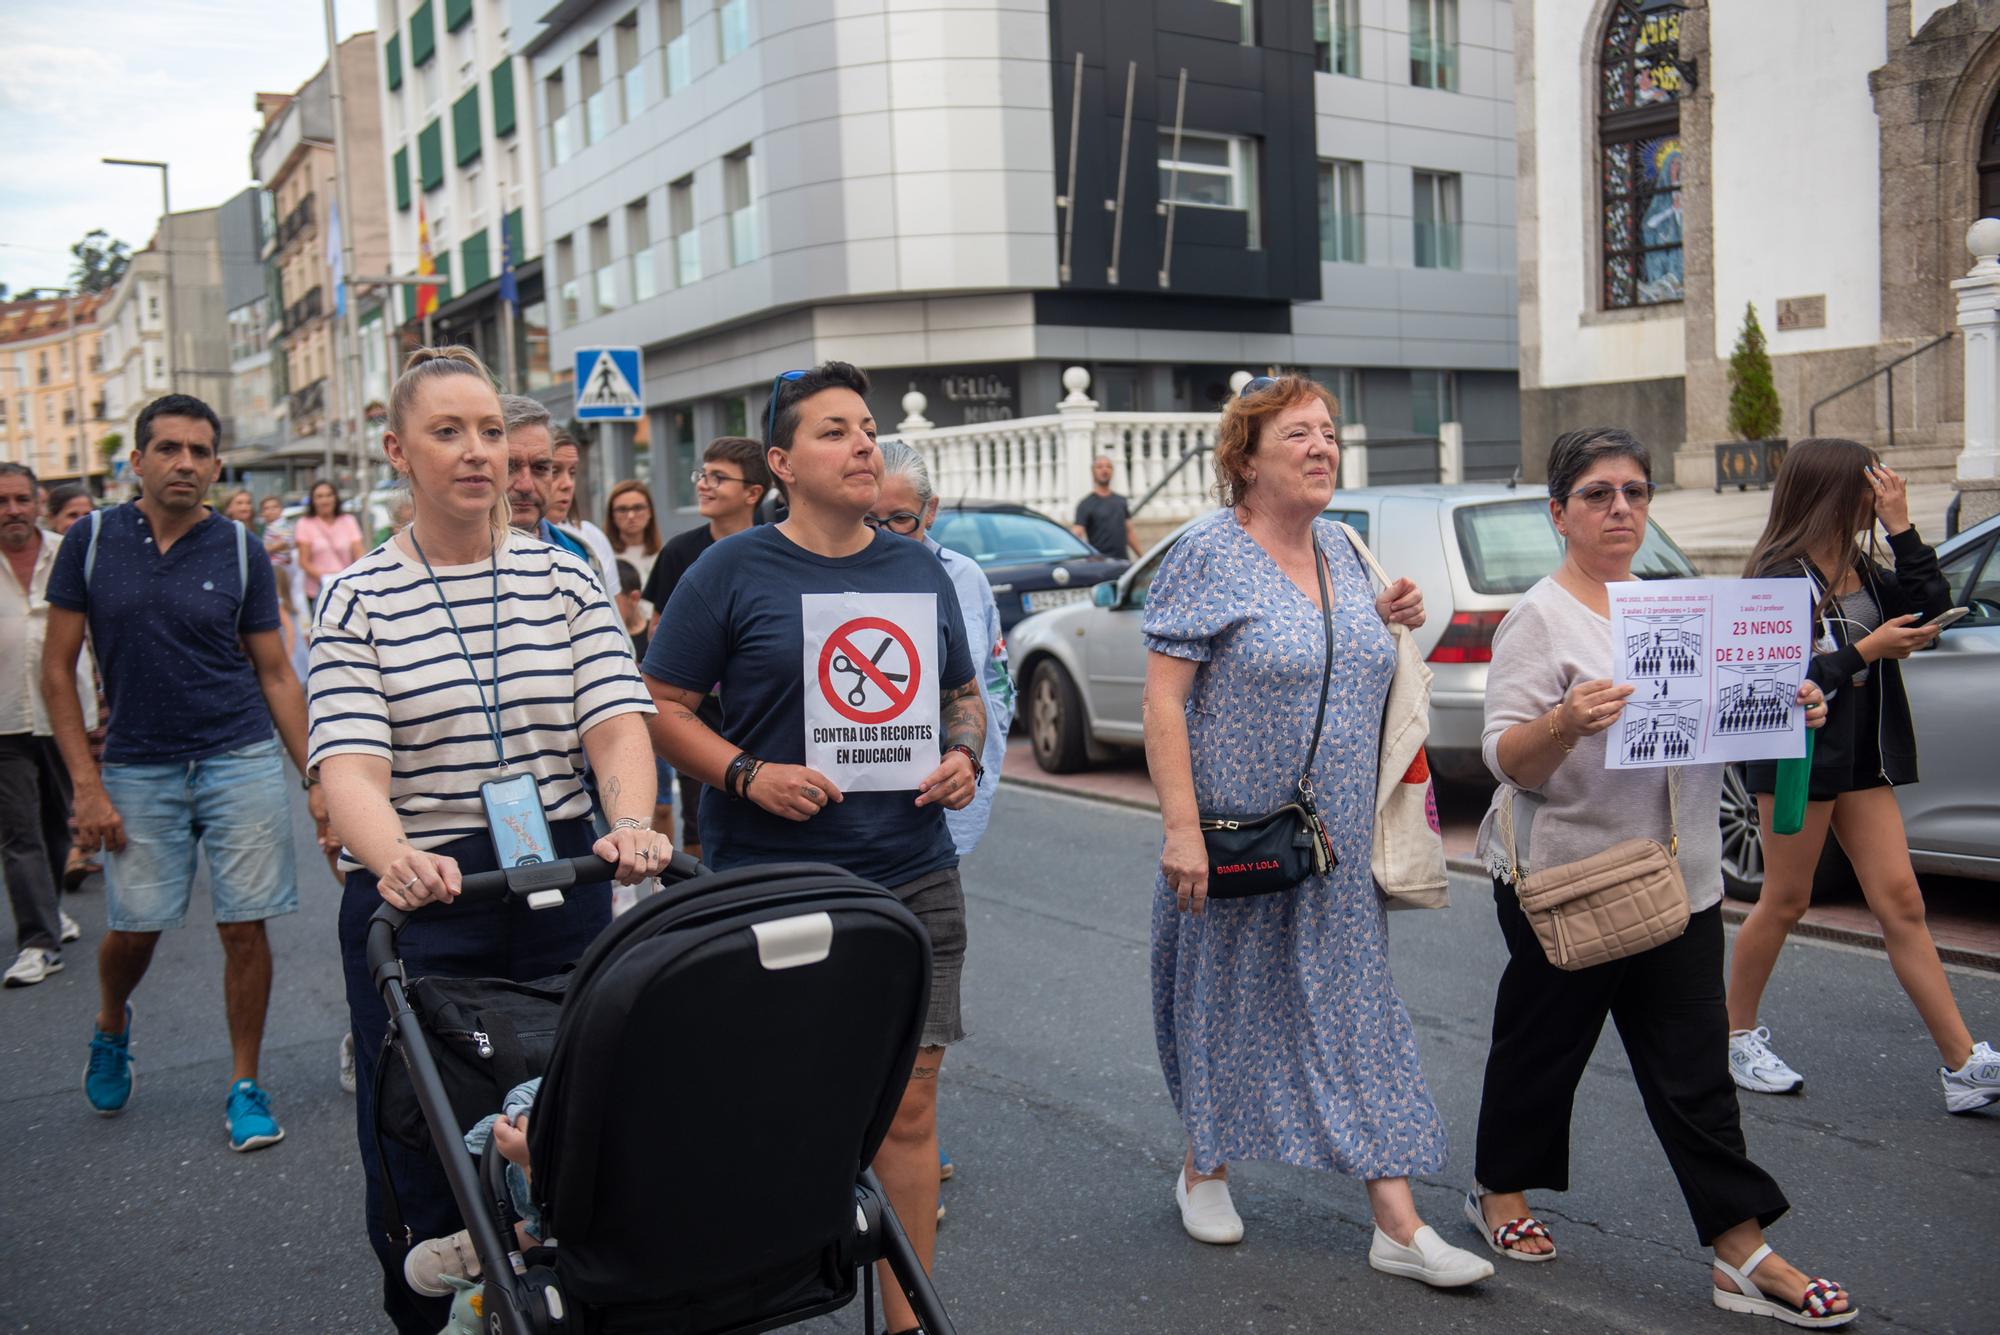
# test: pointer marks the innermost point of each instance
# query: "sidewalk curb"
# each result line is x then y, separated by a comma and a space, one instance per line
1732, 911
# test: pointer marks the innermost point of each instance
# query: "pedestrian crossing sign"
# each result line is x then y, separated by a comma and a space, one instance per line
607, 385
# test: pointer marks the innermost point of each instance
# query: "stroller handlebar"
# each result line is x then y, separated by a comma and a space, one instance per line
522, 882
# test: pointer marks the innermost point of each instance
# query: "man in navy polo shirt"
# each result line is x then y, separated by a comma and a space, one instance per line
183, 613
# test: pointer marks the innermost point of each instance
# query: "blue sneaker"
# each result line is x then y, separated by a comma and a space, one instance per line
108, 1079
251, 1126
945, 1169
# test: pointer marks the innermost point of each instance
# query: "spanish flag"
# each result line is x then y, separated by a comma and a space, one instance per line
427, 295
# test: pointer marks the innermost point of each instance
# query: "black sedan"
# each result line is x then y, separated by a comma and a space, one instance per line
1032, 562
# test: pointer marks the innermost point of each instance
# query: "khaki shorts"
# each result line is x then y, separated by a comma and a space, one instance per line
938, 900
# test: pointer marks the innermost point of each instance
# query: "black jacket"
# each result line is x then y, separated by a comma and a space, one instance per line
1880, 706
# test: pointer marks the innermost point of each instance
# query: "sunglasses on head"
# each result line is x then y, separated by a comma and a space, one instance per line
1256, 385
771, 413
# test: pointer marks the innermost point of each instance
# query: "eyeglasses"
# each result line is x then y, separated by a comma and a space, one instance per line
711, 477
639, 509
1598, 495
902, 522
771, 413
1256, 385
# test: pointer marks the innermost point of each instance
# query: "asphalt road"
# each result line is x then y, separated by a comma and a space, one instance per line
1061, 1217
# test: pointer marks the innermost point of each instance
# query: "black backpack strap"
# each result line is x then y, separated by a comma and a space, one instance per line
1326, 676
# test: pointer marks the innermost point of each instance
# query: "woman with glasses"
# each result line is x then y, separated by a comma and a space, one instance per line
635, 534
1866, 620
738, 617
1549, 705
731, 481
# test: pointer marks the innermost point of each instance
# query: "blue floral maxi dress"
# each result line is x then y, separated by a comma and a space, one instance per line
1280, 1030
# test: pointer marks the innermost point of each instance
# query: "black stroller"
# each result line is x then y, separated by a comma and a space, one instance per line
729, 1057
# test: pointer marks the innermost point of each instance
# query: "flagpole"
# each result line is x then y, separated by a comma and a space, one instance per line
507, 370
346, 384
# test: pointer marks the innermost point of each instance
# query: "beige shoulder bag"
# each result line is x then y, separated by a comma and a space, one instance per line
1407, 858
1620, 902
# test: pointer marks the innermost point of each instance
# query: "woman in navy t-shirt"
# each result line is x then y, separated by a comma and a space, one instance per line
738, 619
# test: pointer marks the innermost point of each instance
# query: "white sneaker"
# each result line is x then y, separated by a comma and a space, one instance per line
1207, 1213
1428, 1258
32, 966
1753, 1066
70, 929
1973, 1085
347, 1063
427, 1263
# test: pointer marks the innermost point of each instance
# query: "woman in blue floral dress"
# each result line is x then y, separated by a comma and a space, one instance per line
1280, 1030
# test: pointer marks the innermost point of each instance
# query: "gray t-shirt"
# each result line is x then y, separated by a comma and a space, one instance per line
1547, 644
1102, 519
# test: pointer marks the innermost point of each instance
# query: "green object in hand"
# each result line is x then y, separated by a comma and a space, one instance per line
1788, 808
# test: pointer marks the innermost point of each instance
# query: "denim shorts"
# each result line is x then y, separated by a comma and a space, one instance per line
236, 805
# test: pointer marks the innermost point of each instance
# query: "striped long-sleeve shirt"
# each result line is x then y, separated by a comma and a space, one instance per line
389, 678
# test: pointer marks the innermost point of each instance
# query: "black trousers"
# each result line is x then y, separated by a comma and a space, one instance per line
34, 836
448, 941
1668, 1006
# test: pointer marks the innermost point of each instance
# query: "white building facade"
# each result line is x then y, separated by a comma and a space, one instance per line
745, 188
1818, 160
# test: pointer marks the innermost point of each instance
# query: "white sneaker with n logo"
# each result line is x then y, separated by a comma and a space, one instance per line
1975, 1084
1753, 1066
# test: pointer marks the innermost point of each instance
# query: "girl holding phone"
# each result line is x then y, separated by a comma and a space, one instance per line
460, 674
1867, 618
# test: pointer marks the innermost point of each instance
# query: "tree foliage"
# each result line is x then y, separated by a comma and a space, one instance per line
1754, 411
100, 262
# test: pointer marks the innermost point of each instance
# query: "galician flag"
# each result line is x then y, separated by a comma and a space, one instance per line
427, 295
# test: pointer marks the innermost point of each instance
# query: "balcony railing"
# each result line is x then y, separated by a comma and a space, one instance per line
562, 137
307, 308
605, 289
643, 286
308, 402
298, 221
680, 64
601, 113
634, 81
687, 259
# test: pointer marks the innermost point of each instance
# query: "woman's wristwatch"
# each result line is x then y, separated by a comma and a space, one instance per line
978, 770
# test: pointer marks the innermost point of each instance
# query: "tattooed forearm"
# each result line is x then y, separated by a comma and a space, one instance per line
681, 714
964, 717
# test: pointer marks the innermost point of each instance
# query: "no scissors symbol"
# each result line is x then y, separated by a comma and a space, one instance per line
878, 666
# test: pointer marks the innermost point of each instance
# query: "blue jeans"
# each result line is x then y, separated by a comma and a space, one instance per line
491, 940
237, 806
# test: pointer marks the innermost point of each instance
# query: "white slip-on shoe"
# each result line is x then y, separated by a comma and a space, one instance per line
32, 966
1975, 1084
1428, 1258
71, 929
1753, 1066
1207, 1213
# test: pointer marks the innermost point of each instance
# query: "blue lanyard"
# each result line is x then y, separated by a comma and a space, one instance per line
492, 712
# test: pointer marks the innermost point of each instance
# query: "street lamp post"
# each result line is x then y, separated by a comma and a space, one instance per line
167, 251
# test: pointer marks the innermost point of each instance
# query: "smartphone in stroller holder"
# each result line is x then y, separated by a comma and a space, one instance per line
702, 918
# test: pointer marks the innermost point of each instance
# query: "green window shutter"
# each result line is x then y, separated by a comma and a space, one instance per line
478, 265
443, 263
503, 98
430, 155
516, 238
423, 34
400, 169
457, 13
392, 61
465, 126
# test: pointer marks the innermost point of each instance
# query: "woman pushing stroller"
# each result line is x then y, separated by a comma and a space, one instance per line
459, 672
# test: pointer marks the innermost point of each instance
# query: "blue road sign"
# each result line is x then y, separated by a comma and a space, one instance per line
607, 385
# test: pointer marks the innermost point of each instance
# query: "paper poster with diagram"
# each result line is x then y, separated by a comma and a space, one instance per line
871, 688
1716, 666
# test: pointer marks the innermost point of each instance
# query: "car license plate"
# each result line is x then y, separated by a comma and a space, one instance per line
1043, 599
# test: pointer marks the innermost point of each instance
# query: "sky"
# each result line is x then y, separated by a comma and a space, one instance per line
170, 80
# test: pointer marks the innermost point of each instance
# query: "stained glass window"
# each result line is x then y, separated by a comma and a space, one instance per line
1640, 153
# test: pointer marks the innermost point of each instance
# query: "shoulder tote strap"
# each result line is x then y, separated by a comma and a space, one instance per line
1368, 557
1326, 675
242, 569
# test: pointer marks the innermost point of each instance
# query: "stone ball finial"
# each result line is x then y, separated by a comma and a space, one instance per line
914, 404
1238, 381
1075, 379
1983, 238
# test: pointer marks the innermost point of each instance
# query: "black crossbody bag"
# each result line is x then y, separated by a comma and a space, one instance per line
1274, 852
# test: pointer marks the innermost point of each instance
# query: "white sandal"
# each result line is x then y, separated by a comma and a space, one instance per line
1812, 1313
